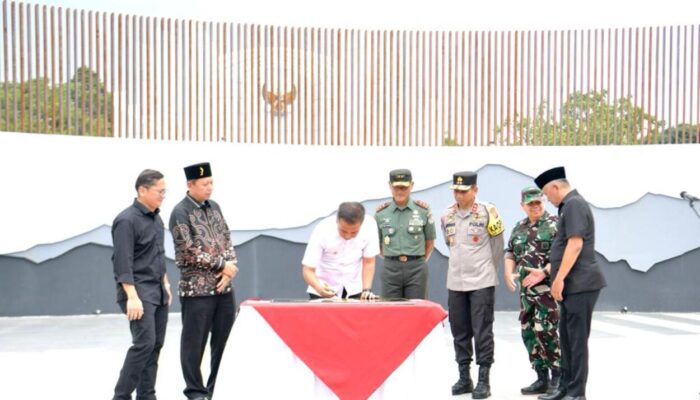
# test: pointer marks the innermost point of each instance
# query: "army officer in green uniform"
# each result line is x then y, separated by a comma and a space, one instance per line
407, 236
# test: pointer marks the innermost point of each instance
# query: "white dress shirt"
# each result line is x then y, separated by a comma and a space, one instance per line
338, 262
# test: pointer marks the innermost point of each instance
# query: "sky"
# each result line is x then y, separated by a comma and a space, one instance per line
412, 14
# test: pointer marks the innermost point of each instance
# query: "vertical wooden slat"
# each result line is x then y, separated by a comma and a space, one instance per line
241, 97
63, 107
21, 66
172, 112
98, 107
269, 116
678, 70
89, 70
160, 80
30, 126
345, 80
122, 68
372, 89
503, 83
697, 98
189, 77
253, 59
132, 27
685, 80
254, 92
76, 34
588, 84
411, 78
13, 27
110, 106
5, 64
208, 77
221, 64
106, 75
489, 97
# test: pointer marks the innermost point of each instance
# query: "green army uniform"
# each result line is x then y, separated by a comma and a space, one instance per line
403, 233
529, 246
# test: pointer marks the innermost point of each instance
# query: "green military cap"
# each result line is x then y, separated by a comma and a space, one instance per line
463, 180
400, 177
530, 194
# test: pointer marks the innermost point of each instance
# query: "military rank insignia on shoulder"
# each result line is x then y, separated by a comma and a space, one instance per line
495, 225
381, 207
421, 203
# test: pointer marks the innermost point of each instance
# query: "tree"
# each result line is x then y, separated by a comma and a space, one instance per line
584, 119
84, 101
682, 133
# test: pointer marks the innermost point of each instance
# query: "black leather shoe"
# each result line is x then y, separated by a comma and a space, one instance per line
558, 394
574, 398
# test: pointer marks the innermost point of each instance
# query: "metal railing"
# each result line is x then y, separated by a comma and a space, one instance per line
92, 73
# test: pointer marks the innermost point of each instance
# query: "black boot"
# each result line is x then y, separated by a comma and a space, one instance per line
464, 384
540, 385
554, 382
483, 388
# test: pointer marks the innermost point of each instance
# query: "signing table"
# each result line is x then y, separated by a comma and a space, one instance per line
347, 350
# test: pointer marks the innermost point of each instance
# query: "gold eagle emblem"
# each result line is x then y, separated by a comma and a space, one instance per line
279, 101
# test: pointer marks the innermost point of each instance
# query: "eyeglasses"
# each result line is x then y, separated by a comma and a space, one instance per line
161, 192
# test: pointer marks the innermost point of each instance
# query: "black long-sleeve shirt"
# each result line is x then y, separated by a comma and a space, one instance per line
139, 253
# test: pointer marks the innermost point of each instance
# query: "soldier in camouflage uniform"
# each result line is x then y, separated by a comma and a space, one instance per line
527, 262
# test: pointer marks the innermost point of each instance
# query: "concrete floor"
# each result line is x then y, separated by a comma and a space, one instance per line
633, 356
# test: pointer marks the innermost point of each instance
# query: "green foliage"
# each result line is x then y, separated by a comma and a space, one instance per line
683, 133
448, 141
585, 119
44, 103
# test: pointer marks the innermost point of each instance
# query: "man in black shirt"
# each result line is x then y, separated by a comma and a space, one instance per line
577, 281
143, 290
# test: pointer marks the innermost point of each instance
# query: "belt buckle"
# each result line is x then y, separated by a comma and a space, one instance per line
403, 258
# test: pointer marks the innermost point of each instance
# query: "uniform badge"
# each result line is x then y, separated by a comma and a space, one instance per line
475, 239
387, 240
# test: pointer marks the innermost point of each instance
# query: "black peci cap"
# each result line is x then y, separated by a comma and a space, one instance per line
196, 171
550, 175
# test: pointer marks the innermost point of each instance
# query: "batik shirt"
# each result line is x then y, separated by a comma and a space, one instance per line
202, 246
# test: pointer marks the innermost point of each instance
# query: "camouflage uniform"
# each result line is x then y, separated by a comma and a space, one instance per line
529, 246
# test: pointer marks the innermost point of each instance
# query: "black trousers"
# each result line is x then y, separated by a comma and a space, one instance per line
471, 316
574, 329
202, 316
141, 362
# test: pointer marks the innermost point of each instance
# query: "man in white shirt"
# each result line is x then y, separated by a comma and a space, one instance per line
339, 258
